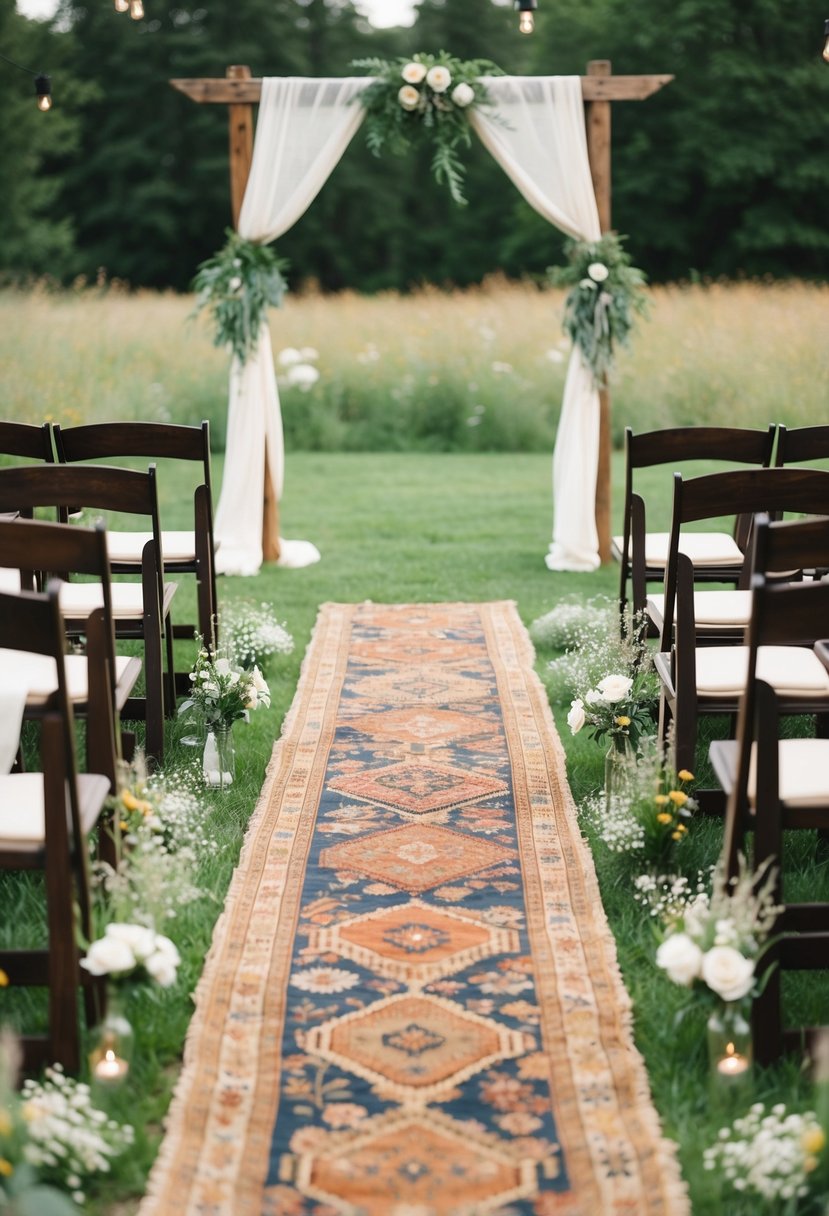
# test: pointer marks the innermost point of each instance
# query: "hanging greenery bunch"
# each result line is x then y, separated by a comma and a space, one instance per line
426, 97
238, 285
605, 295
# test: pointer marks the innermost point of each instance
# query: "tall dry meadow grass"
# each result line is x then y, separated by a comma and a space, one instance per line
479, 369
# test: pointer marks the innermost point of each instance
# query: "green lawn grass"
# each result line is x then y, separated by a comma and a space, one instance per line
401, 528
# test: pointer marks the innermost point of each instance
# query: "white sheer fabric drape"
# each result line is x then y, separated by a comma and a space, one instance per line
303, 128
535, 130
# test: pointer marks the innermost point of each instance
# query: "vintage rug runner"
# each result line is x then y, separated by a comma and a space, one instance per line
412, 1005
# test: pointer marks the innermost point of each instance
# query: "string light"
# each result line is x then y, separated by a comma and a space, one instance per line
136, 9
43, 89
826, 41
526, 22
43, 84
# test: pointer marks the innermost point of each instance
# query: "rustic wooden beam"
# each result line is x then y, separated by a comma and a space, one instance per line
241, 143
207, 89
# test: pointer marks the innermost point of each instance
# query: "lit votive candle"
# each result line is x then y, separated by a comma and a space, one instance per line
110, 1068
732, 1064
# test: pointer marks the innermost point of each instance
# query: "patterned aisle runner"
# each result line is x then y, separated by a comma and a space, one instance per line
412, 1005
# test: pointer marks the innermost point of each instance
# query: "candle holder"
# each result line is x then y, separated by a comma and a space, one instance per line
110, 1055
730, 1051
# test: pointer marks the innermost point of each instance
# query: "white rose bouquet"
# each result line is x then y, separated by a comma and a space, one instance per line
619, 707
126, 950
717, 940
605, 294
223, 692
425, 97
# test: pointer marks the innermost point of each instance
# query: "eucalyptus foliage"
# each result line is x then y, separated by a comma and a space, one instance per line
425, 98
237, 285
606, 293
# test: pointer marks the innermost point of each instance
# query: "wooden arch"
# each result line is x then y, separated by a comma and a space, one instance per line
239, 91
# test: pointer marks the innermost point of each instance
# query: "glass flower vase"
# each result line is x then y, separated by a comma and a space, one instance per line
730, 1051
111, 1046
219, 760
619, 763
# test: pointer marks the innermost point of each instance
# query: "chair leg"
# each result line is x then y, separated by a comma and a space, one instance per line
64, 966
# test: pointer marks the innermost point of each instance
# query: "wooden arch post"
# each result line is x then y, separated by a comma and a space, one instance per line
240, 92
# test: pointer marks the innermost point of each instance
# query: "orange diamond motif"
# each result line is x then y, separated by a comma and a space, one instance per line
415, 857
412, 1045
439, 1166
431, 684
424, 727
414, 942
419, 788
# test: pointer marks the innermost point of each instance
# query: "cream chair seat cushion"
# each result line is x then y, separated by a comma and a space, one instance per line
80, 599
703, 548
23, 813
790, 670
803, 773
38, 674
712, 609
127, 547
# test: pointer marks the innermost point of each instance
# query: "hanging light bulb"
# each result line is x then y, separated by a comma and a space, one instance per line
826, 41
526, 8
43, 89
122, 6
136, 9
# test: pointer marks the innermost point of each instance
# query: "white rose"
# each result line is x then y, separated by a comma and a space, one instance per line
108, 956
463, 94
163, 945
680, 958
439, 79
408, 97
139, 938
288, 356
598, 272
576, 718
615, 688
413, 73
162, 969
727, 972
592, 696
303, 376
222, 667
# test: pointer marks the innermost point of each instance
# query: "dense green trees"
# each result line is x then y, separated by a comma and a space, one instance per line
724, 172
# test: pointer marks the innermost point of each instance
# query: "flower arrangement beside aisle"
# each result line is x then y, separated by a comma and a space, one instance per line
768, 1160
53, 1139
606, 292
717, 940
221, 694
252, 633
425, 97
619, 708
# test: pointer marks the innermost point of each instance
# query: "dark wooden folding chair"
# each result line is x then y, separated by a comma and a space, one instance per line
717, 556
775, 785
141, 610
25, 440
802, 445
191, 551
709, 679
99, 681
46, 818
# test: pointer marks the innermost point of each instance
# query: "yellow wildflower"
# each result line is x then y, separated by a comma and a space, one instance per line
5, 1123
6, 1168
677, 835
684, 775
129, 800
123, 825
4, 979
677, 797
681, 828
661, 799
664, 817
622, 720
813, 1141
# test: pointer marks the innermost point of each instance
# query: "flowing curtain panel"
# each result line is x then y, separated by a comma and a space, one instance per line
535, 130
303, 128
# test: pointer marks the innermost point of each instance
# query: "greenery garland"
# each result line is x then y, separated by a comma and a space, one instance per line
238, 285
605, 294
425, 97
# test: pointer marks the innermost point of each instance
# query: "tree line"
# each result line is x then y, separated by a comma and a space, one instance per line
722, 173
